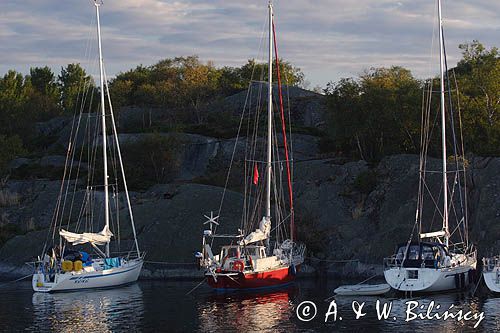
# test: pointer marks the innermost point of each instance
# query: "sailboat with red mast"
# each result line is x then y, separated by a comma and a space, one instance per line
254, 258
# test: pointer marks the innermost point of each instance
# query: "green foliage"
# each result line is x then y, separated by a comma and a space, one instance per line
45, 94
290, 75
379, 113
375, 115
151, 161
15, 94
44, 82
77, 89
188, 83
10, 148
478, 75
23, 102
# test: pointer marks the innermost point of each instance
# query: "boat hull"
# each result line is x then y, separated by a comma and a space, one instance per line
492, 280
232, 281
429, 279
107, 278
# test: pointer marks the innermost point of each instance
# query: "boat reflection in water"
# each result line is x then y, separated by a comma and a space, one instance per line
241, 312
491, 308
453, 303
96, 311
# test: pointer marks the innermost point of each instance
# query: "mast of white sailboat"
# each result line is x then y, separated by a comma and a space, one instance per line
97, 3
443, 126
269, 113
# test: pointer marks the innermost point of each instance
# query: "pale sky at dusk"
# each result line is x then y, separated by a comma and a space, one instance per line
327, 39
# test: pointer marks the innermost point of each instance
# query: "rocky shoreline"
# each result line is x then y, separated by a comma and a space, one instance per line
339, 219
345, 210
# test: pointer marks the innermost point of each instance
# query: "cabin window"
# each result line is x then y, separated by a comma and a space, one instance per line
234, 253
427, 253
401, 253
413, 252
412, 274
251, 251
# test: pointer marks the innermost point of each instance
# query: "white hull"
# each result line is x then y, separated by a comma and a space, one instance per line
363, 290
429, 279
492, 280
108, 278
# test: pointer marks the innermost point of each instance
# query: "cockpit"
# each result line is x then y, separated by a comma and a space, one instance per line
422, 254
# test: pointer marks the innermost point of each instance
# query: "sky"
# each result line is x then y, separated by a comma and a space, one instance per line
327, 39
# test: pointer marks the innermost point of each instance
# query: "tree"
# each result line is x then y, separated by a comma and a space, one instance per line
198, 83
45, 95
290, 75
44, 82
10, 148
478, 75
375, 115
14, 94
77, 89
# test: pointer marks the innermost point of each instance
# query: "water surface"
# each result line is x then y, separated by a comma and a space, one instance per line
164, 306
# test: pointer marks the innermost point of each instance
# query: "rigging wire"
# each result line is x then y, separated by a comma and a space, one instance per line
426, 143
57, 208
238, 133
283, 126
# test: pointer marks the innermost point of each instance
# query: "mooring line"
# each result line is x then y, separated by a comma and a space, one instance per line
17, 280
196, 287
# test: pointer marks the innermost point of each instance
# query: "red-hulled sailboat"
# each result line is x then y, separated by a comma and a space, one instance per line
253, 260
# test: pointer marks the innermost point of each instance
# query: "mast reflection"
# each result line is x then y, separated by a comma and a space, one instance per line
98, 310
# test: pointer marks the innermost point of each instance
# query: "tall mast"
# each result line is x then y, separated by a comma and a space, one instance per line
269, 112
97, 3
443, 126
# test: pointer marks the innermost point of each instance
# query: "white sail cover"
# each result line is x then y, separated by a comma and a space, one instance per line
259, 234
100, 238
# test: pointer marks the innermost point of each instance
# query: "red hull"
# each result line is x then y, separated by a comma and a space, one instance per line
249, 280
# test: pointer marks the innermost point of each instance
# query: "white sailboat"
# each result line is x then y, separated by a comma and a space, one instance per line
436, 261
251, 261
61, 268
491, 273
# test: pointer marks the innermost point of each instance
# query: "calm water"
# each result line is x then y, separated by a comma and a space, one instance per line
164, 306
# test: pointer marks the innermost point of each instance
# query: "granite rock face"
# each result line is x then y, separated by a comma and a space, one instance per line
338, 219
344, 210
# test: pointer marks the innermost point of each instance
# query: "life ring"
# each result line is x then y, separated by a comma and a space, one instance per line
238, 265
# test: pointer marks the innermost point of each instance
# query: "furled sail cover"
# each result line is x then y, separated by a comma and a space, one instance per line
260, 234
100, 238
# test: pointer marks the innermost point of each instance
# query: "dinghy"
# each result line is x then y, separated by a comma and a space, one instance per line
363, 289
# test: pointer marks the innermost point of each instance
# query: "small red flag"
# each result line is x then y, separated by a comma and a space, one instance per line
255, 174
